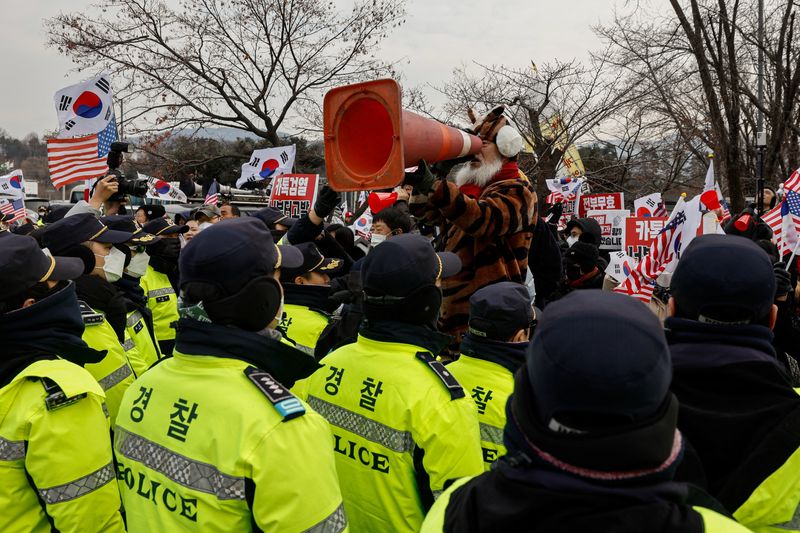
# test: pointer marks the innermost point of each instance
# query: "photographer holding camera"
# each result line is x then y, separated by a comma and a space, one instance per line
109, 194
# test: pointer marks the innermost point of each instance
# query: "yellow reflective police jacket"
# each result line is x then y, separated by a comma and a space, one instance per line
114, 372
775, 504
162, 301
55, 453
139, 347
401, 432
200, 448
489, 385
302, 324
713, 522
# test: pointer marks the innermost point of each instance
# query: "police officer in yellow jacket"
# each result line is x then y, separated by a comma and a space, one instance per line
591, 433
211, 438
56, 468
102, 304
160, 280
307, 306
140, 344
501, 320
403, 427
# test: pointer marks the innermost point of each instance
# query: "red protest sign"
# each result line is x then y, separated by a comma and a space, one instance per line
600, 202
639, 231
294, 194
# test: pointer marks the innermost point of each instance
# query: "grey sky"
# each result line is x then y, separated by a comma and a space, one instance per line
438, 35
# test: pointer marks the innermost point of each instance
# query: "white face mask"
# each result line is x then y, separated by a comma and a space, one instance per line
205, 225
571, 240
376, 239
138, 265
114, 265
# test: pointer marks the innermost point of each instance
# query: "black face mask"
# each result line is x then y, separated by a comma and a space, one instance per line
166, 249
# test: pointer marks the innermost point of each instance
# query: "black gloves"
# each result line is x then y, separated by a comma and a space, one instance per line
327, 201
421, 179
783, 280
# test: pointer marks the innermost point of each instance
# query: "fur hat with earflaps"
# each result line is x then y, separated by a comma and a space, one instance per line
496, 127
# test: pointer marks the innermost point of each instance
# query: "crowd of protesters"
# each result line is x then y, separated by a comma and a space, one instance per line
461, 370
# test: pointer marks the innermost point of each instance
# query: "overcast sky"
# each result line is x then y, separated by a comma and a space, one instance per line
438, 35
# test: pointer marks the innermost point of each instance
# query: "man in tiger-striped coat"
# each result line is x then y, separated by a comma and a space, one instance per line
487, 216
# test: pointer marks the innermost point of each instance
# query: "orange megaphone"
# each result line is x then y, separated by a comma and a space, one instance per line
370, 139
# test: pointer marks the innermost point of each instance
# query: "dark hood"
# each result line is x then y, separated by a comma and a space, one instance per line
49, 328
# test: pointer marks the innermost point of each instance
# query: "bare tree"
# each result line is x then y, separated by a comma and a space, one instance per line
246, 64
554, 105
696, 74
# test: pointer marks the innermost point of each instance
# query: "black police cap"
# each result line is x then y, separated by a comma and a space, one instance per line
75, 229
23, 264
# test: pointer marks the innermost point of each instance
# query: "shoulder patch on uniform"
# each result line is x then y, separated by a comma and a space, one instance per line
279, 396
449, 380
56, 398
89, 315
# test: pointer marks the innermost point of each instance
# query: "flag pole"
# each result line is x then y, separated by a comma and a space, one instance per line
791, 257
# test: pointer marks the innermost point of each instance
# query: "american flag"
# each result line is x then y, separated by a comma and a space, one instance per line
13, 207
79, 158
213, 194
784, 218
641, 281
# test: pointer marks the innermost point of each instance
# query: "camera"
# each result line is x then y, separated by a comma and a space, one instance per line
127, 186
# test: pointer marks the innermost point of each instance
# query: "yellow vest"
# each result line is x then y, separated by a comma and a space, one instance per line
139, 347
400, 432
53, 430
114, 372
303, 325
162, 301
489, 385
200, 446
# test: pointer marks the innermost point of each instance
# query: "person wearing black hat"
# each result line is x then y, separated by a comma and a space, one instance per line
102, 304
738, 410
501, 320
277, 222
213, 432
56, 464
583, 230
591, 433
160, 282
403, 426
140, 343
147, 212
307, 306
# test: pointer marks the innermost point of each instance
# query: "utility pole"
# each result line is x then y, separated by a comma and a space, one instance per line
761, 135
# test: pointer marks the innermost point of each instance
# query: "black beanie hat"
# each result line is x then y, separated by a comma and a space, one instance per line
600, 399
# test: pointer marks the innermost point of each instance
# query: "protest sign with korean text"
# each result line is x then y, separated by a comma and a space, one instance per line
639, 231
294, 194
612, 227
600, 202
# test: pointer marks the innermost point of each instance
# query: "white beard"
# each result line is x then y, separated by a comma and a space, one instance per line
480, 176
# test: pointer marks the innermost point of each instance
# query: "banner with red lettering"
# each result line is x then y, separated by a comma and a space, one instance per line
612, 226
639, 231
294, 194
600, 202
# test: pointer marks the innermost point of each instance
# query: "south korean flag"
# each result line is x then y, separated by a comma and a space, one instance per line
84, 108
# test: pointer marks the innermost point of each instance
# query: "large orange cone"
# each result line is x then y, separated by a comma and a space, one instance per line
370, 139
